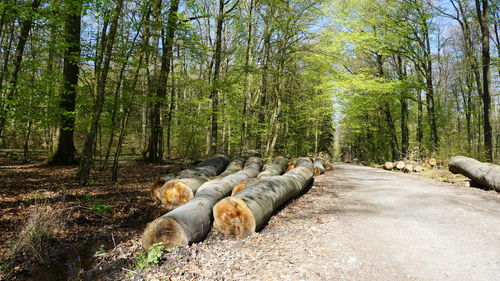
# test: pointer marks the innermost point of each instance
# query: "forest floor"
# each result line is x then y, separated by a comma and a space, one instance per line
355, 223
54, 225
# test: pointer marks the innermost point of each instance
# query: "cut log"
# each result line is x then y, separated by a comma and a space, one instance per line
417, 168
485, 174
389, 165
192, 221
249, 210
319, 166
208, 168
432, 162
276, 168
241, 186
426, 166
235, 165
177, 192
400, 165
408, 168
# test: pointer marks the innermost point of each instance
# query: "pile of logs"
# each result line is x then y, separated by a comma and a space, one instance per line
410, 166
241, 197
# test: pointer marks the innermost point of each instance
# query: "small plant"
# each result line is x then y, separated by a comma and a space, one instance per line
101, 250
86, 197
40, 227
101, 209
144, 259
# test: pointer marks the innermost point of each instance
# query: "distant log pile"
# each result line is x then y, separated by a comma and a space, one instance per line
410, 166
485, 174
245, 211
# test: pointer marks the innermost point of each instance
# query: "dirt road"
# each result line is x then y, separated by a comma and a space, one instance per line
360, 223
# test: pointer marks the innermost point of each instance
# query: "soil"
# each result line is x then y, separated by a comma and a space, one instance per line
80, 219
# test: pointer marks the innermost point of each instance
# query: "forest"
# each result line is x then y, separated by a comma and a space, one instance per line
172, 119
87, 82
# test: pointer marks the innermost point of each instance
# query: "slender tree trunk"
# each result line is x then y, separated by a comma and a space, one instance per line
155, 144
214, 96
87, 153
248, 79
482, 15
65, 151
405, 132
264, 81
16, 65
431, 114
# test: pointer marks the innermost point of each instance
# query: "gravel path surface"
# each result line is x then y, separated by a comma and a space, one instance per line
359, 223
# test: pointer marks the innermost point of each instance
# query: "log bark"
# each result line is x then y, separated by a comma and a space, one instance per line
389, 165
209, 168
234, 166
191, 222
319, 166
485, 174
249, 210
276, 168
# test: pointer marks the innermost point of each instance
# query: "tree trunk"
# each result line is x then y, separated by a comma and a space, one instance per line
248, 79
214, 95
191, 222
65, 151
249, 210
482, 15
431, 114
485, 174
23, 38
405, 132
87, 153
392, 134
155, 144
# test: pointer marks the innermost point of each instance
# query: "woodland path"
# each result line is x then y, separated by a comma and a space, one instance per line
360, 223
